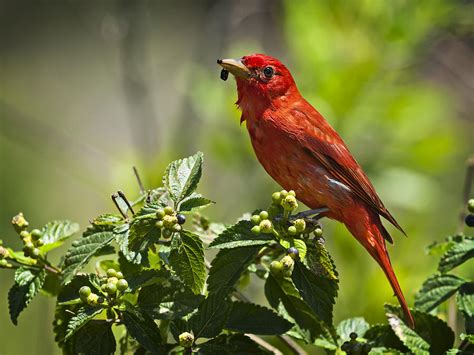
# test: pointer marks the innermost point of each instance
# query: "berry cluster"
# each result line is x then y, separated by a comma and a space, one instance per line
354, 347
186, 339
470, 217
112, 285
284, 267
285, 199
31, 240
262, 223
169, 221
4, 255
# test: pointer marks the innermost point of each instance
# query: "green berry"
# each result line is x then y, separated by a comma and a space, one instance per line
276, 267
40, 242
3, 263
276, 198
29, 246
166, 233
169, 221
35, 253
122, 285
112, 280
177, 228
92, 299
186, 340
181, 218
111, 288
160, 213
288, 264
289, 203
283, 193
255, 219
264, 215
103, 287
470, 205
292, 230
119, 275
25, 234
169, 210
159, 224
266, 226
292, 193
36, 234
111, 273
300, 225
255, 230
84, 292
318, 232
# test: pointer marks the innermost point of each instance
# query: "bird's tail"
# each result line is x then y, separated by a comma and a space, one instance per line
373, 240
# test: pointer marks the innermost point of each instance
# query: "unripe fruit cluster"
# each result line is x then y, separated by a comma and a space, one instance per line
32, 242
169, 221
110, 285
261, 223
283, 267
354, 347
286, 199
298, 227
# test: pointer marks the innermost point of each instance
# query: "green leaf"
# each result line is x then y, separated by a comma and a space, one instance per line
255, 319
211, 316
82, 317
435, 290
228, 266
382, 335
319, 292
439, 248
168, 300
465, 299
320, 262
182, 176
457, 254
28, 282
56, 232
431, 335
239, 235
231, 344
301, 246
187, 260
194, 203
282, 290
94, 242
356, 325
96, 338
143, 328
325, 344
142, 234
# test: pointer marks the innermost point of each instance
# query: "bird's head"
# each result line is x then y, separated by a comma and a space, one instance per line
259, 77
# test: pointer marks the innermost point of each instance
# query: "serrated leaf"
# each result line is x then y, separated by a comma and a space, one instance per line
439, 248
194, 203
56, 232
182, 176
282, 290
69, 293
231, 344
252, 318
465, 299
82, 317
168, 300
431, 335
28, 282
317, 291
94, 242
456, 255
143, 328
187, 260
356, 325
228, 266
96, 338
142, 234
108, 220
435, 290
320, 262
382, 335
325, 344
211, 316
239, 235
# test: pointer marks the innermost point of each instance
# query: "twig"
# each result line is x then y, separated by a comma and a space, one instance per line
124, 198
114, 198
468, 180
264, 344
139, 180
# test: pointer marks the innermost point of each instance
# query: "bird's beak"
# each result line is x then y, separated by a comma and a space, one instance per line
235, 67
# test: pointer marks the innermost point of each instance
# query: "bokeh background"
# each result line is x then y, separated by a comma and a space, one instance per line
90, 88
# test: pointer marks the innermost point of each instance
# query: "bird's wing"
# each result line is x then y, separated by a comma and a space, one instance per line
323, 143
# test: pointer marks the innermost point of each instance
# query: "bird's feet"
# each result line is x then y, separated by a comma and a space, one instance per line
310, 214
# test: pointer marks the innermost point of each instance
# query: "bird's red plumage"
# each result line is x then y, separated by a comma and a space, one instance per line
302, 152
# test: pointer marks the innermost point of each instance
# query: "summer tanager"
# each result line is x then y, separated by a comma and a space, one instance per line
302, 152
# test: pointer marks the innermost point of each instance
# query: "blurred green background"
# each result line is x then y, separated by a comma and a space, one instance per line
90, 88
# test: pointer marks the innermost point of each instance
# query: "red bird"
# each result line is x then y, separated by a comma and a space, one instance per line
302, 152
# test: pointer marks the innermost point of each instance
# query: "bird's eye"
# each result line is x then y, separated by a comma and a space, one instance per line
268, 72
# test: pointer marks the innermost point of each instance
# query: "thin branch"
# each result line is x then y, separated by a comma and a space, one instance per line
264, 344
139, 180
114, 198
125, 199
468, 180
